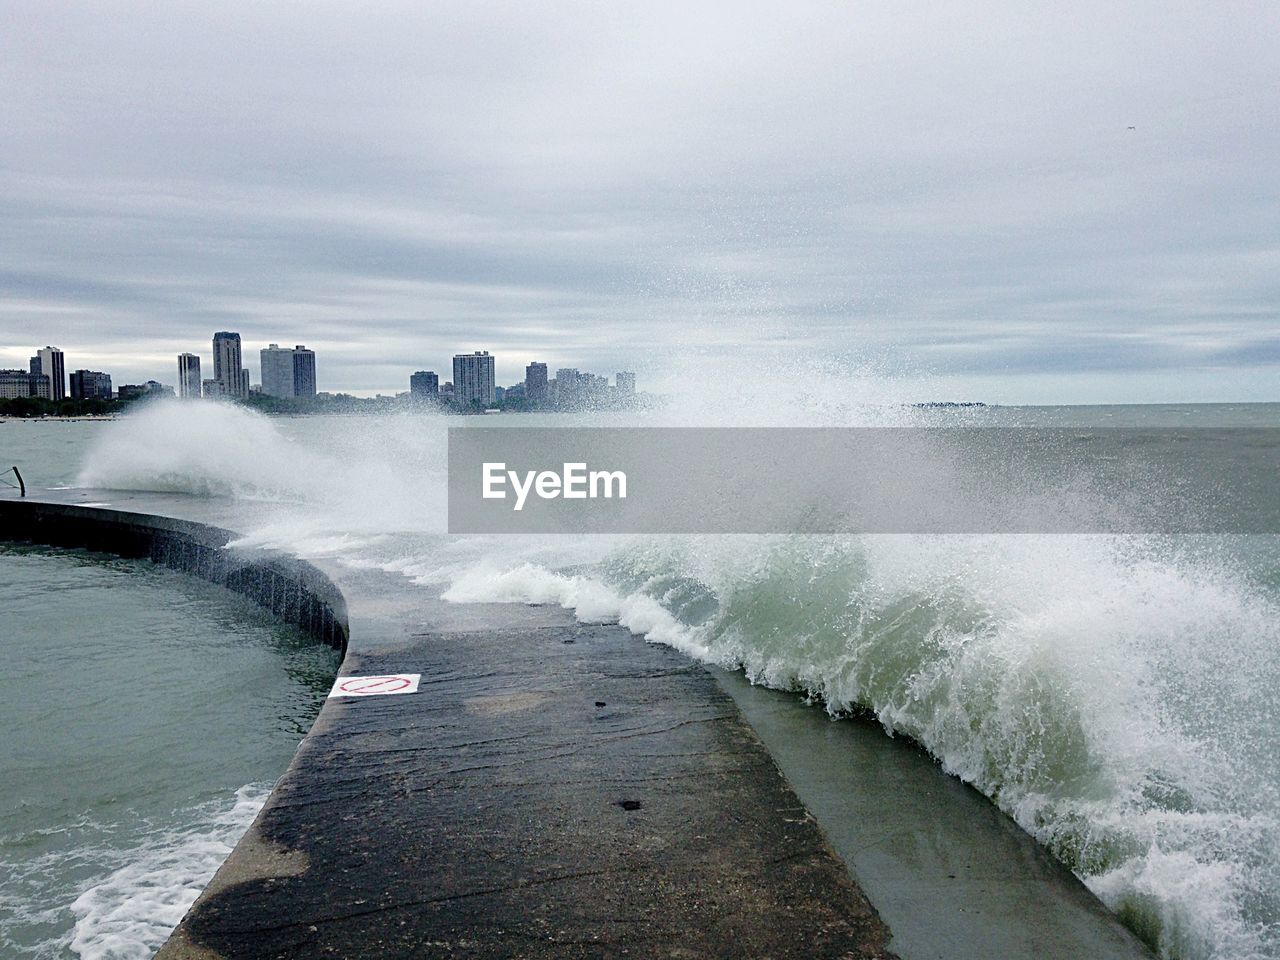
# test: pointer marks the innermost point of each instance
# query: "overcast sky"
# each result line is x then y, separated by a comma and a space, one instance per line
954, 190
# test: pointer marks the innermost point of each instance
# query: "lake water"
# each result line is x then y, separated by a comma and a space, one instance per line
146, 716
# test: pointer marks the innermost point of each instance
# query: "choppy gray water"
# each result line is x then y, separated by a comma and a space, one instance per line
1119, 697
145, 717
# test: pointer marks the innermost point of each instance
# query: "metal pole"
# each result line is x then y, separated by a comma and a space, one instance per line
22, 487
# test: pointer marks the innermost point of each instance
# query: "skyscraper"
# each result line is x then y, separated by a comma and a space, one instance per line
188, 375
39, 382
277, 372
227, 367
424, 385
535, 383
49, 362
626, 383
304, 372
568, 387
90, 385
473, 378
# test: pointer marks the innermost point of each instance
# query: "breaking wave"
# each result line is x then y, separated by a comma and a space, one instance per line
131, 911
133, 896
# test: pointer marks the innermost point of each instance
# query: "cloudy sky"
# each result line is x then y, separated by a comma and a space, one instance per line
1073, 202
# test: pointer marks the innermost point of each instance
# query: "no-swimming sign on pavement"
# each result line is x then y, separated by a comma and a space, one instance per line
382, 685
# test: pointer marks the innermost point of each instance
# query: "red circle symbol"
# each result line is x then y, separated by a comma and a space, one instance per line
360, 685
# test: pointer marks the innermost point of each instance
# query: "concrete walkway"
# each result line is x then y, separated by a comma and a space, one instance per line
549, 792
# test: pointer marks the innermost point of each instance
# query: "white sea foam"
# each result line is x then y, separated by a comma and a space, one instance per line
129, 913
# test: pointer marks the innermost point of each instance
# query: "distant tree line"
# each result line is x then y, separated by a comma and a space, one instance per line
40, 407
329, 403
284, 406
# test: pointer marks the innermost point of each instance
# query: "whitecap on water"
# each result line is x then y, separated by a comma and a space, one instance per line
129, 912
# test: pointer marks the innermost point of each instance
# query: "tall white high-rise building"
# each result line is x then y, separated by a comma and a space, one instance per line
188, 375
50, 362
625, 381
228, 369
473, 378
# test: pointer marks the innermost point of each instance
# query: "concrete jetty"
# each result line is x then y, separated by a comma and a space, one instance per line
555, 789
552, 790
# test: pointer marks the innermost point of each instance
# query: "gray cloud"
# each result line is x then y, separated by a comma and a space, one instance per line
605, 186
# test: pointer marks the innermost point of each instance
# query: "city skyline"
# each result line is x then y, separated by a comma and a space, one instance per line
291, 373
167, 369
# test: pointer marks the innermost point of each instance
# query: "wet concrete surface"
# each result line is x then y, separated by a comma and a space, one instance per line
550, 792
952, 876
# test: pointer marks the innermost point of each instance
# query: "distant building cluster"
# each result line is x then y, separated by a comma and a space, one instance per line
45, 377
474, 385
285, 372
290, 372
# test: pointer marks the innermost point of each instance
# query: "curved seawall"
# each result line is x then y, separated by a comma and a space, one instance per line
296, 592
